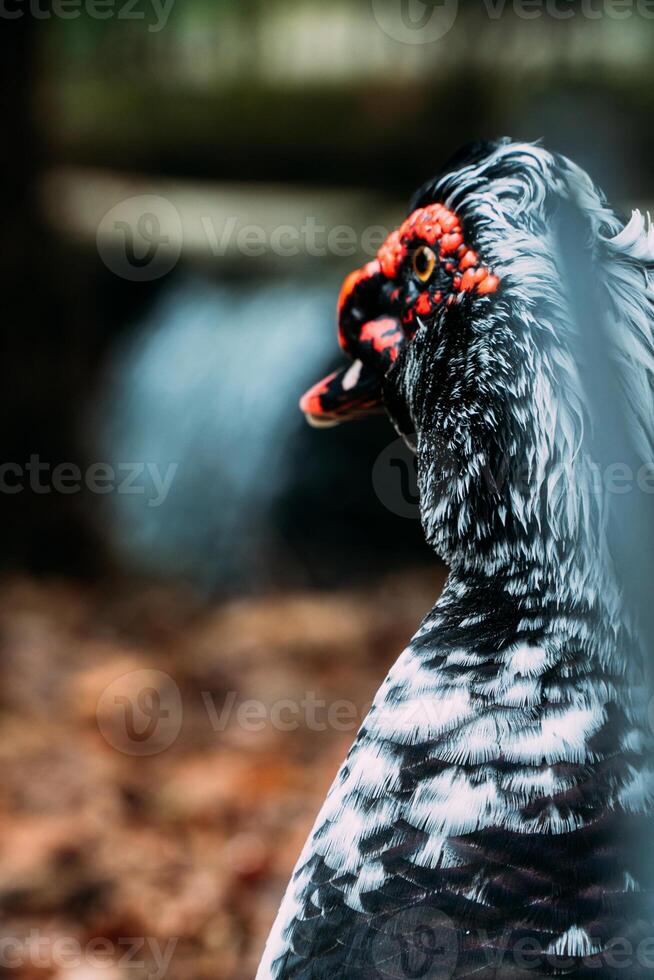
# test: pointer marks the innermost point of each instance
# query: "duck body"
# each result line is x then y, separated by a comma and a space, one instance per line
491, 817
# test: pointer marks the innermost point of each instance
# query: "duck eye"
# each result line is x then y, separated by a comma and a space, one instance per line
424, 262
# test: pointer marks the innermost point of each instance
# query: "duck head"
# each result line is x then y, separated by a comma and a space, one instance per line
424, 271
465, 328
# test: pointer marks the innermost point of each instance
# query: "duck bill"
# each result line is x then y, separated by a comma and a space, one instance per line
351, 393
373, 341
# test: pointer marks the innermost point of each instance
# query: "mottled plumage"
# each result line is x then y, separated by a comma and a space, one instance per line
494, 803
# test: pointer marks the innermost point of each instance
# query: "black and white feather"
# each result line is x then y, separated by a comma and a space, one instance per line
498, 791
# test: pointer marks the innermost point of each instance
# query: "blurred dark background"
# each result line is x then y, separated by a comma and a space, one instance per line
185, 185
245, 119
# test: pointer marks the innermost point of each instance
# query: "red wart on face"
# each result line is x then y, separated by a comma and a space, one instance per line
369, 330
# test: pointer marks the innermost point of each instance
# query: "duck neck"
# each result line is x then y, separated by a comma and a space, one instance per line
513, 598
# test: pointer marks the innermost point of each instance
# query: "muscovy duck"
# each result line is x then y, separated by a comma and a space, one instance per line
489, 818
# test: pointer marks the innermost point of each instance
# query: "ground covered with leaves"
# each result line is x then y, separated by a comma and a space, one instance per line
162, 761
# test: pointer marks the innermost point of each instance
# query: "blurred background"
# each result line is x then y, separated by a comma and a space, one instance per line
184, 561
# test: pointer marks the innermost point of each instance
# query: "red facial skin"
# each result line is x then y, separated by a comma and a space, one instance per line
391, 253
424, 303
383, 334
433, 225
352, 280
348, 289
311, 402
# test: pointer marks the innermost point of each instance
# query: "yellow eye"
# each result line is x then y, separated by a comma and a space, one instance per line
424, 262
